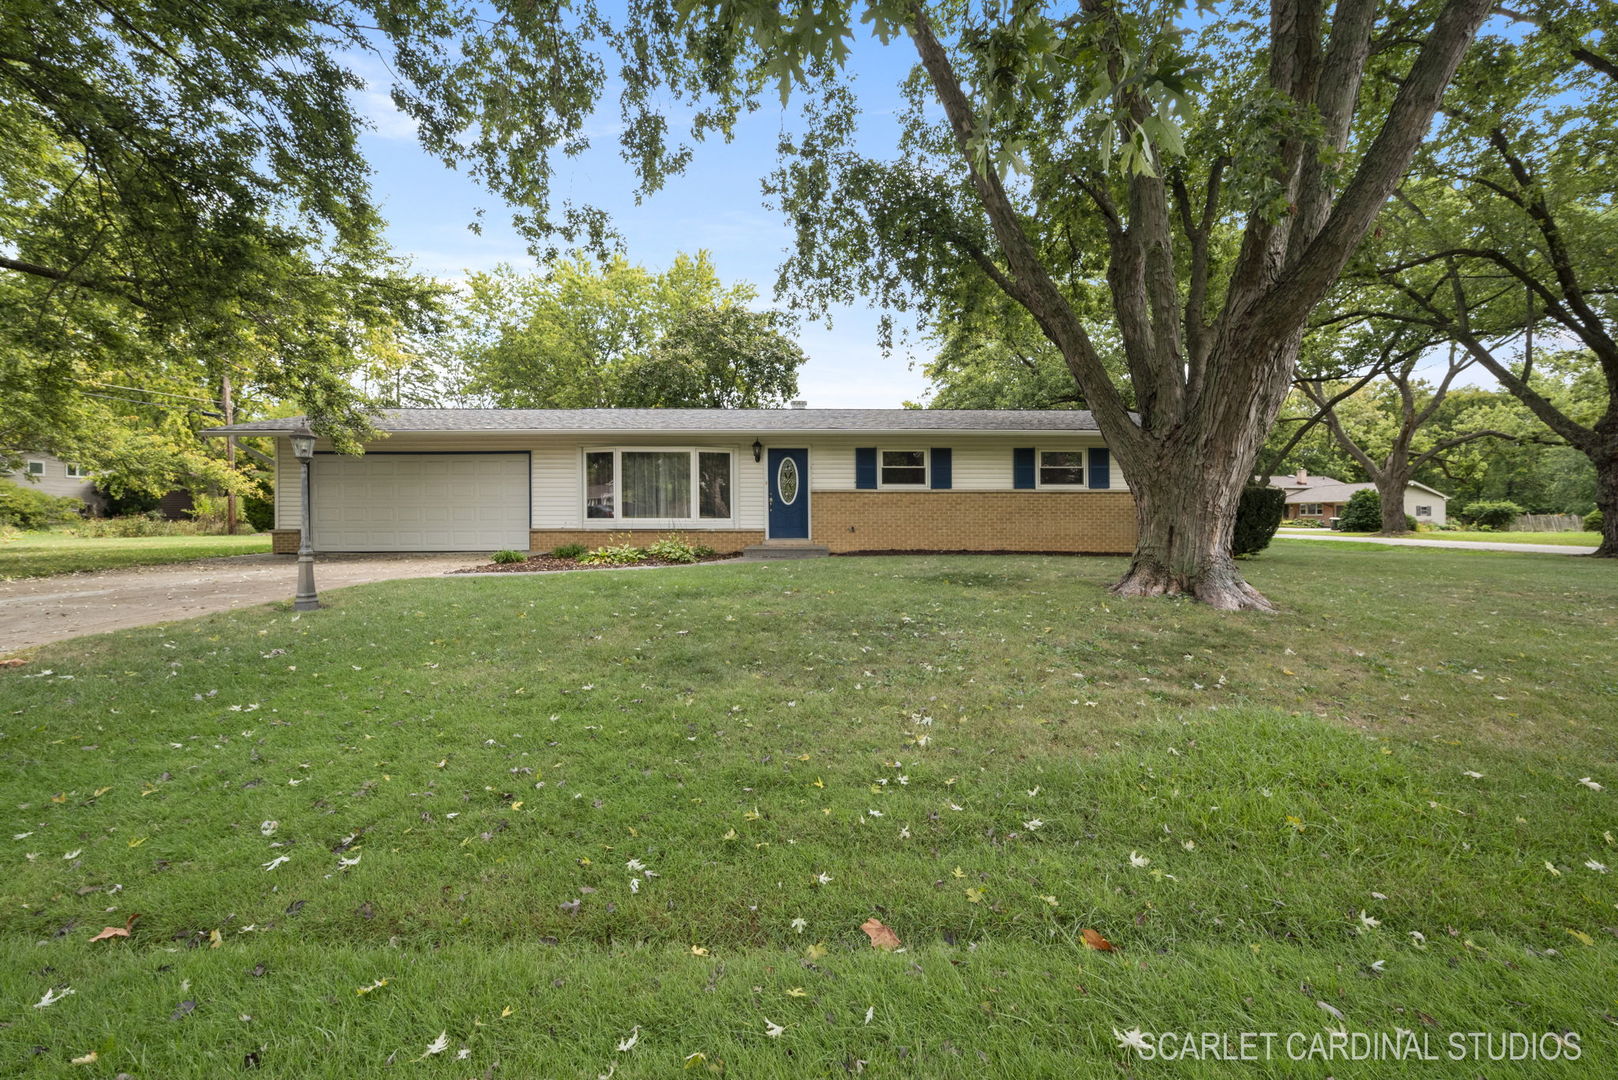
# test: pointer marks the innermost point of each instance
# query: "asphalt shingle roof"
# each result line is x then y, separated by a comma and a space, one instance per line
700, 420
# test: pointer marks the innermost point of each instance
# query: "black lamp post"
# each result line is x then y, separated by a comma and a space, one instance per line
303, 448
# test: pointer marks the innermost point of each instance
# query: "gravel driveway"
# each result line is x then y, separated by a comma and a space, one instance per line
36, 611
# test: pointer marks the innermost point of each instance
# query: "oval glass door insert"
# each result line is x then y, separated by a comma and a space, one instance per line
786, 481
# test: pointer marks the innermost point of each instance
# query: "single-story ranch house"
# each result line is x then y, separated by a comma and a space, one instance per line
1320, 498
839, 479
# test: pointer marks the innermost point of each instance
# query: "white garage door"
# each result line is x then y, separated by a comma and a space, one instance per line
420, 502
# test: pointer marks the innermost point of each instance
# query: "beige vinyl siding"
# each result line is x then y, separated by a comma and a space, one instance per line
557, 476
55, 480
979, 462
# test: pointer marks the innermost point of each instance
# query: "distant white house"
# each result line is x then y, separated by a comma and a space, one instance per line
1321, 498
53, 476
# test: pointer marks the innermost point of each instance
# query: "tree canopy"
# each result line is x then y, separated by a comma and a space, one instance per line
615, 334
184, 199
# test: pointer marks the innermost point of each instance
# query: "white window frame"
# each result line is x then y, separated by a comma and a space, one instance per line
76, 472
30, 470
1084, 467
926, 467
618, 522
1304, 511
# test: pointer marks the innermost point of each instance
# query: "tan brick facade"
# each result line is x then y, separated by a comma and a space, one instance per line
726, 541
1091, 522
284, 541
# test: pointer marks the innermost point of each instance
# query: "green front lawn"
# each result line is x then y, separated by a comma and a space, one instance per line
1563, 539
37, 554
651, 810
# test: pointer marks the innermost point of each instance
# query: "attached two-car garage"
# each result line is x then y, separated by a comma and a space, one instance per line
384, 501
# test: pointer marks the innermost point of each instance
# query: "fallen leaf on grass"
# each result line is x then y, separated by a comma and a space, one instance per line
87, 1059
118, 931
881, 936
1094, 940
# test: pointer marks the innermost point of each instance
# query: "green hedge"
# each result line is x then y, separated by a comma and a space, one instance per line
1363, 512
1492, 514
1593, 521
1258, 515
26, 507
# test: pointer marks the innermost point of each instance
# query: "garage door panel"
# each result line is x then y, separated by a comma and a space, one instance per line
421, 502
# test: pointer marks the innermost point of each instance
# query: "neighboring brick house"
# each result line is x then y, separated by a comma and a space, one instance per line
1321, 498
834, 479
53, 476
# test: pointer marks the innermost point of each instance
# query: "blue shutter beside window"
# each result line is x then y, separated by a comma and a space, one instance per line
1100, 467
865, 468
943, 474
1022, 468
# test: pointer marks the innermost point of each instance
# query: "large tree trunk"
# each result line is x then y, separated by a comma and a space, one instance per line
1390, 488
1186, 520
1607, 497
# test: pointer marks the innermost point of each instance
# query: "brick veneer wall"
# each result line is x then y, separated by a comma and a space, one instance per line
1092, 522
726, 541
284, 541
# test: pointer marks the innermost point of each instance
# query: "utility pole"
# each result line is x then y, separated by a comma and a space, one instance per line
230, 454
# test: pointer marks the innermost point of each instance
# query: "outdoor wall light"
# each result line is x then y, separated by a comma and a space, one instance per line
758, 450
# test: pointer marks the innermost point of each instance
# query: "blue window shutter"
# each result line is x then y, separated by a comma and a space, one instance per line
1100, 467
943, 468
865, 468
1022, 468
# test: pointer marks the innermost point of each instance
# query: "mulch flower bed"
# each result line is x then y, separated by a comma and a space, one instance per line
544, 564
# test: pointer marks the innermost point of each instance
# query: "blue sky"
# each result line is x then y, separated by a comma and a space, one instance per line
717, 205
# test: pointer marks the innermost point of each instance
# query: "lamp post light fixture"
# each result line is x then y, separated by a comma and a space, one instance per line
758, 450
303, 448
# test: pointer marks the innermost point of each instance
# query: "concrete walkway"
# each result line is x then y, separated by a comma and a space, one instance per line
1457, 545
36, 611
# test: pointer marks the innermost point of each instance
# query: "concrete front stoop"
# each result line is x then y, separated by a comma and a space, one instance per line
786, 549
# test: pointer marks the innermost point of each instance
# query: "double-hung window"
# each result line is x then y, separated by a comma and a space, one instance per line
1309, 509
1424, 511
1061, 468
36, 468
77, 472
904, 468
658, 485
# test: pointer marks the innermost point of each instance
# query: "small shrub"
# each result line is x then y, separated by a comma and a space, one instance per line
152, 524
26, 507
1593, 521
671, 549
508, 556
1411, 524
258, 512
568, 551
1492, 514
126, 503
614, 555
1258, 515
1363, 512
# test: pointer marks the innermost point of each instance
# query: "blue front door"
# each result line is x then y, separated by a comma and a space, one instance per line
789, 494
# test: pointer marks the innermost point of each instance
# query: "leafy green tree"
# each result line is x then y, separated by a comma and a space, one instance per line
566, 338
1209, 180
1508, 235
715, 358
1395, 437
182, 197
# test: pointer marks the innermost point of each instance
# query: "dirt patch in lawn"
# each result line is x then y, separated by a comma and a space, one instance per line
547, 564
